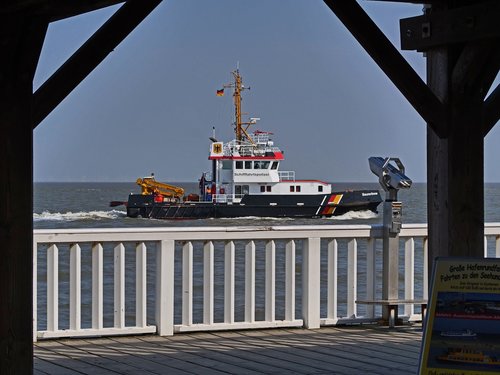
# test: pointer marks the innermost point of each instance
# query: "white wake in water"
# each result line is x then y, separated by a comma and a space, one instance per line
75, 216
354, 215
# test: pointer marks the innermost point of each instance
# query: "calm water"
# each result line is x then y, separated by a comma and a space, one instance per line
86, 205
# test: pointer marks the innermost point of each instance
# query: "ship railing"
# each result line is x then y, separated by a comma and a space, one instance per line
227, 198
261, 137
104, 282
286, 175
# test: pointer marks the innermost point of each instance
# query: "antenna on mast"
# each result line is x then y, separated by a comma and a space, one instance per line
237, 86
212, 138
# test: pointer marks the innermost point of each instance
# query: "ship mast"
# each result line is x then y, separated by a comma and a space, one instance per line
240, 131
238, 87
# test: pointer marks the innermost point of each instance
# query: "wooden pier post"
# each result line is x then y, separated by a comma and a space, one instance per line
22, 31
21, 38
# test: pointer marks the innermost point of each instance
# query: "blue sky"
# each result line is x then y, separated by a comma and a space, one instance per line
150, 106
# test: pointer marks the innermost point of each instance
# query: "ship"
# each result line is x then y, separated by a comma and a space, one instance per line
469, 356
246, 181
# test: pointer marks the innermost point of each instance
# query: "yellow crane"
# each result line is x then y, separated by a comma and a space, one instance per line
150, 186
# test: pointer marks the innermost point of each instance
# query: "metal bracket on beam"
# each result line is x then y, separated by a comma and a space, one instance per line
451, 26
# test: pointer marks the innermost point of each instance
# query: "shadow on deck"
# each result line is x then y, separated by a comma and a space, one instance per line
329, 350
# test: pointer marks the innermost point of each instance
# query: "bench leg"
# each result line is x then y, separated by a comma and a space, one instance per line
424, 311
393, 315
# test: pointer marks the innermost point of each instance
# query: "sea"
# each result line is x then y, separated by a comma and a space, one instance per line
86, 205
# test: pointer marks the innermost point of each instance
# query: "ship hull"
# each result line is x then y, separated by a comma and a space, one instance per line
295, 206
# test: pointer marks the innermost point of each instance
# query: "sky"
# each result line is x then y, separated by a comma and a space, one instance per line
151, 104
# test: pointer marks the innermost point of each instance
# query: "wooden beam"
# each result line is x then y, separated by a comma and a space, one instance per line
491, 111
391, 62
54, 9
476, 68
22, 40
455, 164
89, 56
460, 25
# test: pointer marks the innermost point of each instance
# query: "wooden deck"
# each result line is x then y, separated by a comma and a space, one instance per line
330, 350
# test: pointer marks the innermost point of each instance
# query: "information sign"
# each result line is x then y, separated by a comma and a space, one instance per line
462, 329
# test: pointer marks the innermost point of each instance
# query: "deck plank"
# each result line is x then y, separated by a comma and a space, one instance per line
313, 356
269, 360
344, 343
339, 350
292, 355
345, 347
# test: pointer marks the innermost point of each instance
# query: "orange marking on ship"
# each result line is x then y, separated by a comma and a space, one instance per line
332, 203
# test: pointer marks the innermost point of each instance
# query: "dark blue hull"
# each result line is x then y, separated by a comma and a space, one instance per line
299, 206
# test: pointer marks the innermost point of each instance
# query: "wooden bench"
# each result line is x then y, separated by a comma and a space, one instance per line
393, 304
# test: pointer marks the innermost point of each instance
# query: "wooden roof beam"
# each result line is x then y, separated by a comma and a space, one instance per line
89, 56
54, 9
491, 110
388, 58
456, 25
476, 68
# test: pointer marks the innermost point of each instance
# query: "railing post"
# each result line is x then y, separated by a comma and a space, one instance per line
140, 285
165, 272
425, 283
35, 290
270, 280
290, 280
229, 282
390, 260
52, 288
75, 289
208, 283
352, 268
409, 274
119, 286
311, 268
250, 282
371, 272
187, 284
97, 286
332, 279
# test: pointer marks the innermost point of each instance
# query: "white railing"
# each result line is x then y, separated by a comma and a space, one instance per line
98, 282
227, 198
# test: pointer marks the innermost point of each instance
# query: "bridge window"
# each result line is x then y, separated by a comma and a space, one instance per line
241, 189
248, 164
274, 165
239, 164
292, 188
320, 188
297, 188
260, 164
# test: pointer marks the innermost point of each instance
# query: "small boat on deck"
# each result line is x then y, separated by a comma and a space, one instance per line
246, 180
